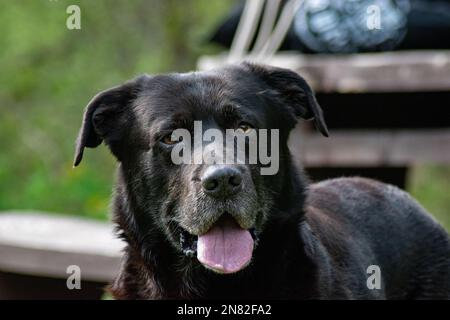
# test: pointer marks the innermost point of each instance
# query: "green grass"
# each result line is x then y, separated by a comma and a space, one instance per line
430, 185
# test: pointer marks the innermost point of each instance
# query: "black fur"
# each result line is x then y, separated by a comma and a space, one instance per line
315, 241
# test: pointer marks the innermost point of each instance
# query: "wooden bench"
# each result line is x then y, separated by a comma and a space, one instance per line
36, 249
400, 71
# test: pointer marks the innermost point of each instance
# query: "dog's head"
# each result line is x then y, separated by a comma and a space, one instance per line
207, 203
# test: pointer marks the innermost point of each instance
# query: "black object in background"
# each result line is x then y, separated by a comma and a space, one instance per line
415, 24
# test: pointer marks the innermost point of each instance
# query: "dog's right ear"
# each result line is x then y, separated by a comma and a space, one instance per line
293, 90
101, 114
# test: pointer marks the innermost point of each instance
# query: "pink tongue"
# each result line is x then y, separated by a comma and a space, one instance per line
226, 247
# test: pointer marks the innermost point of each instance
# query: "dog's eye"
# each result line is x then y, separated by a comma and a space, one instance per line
245, 127
167, 139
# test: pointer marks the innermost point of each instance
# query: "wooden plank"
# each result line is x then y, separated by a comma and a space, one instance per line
400, 71
45, 245
371, 148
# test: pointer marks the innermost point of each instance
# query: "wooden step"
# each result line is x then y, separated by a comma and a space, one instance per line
398, 71
348, 148
40, 244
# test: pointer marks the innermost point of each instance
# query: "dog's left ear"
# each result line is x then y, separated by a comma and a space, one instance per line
102, 117
293, 90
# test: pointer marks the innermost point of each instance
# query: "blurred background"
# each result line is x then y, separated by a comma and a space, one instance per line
48, 74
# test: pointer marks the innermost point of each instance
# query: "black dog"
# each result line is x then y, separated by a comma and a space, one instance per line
226, 231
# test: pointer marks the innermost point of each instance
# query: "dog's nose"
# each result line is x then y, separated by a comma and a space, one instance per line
221, 181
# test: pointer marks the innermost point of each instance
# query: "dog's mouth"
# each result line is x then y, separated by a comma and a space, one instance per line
224, 248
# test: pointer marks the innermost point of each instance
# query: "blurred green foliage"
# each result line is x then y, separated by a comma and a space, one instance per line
430, 185
48, 73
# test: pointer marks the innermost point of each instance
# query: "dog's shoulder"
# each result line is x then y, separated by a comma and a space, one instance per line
340, 201
368, 211
347, 187
367, 203
357, 195
360, 196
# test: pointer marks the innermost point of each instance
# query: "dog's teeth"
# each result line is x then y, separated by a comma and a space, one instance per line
189, 253
188, 244
254, 235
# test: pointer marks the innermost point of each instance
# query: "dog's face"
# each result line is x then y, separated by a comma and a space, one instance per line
213, 208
